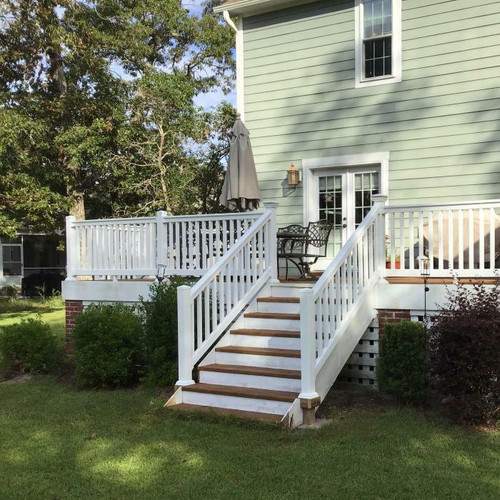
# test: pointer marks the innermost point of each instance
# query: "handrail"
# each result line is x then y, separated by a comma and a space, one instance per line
334, 299
443, 206
207, 309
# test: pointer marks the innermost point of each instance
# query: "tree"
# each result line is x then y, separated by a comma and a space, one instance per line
97, 100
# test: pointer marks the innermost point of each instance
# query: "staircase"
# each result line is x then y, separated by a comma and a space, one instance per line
258, 350
255, 370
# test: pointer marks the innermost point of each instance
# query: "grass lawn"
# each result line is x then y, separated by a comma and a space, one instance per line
60, 443
51, 311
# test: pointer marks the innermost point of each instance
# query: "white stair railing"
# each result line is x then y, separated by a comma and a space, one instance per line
327, 308
461, 236
207, 309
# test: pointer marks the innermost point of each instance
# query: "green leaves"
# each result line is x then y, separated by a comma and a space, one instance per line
97, 112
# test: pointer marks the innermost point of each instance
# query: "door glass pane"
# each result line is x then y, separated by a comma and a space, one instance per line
330, 208
366, 184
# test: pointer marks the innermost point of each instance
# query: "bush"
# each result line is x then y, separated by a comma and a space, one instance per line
30, 347
401, 367
159, 316
108, 346
466, 353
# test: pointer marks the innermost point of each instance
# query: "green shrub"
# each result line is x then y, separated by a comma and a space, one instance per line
108, 346
465, 347
401, 367
30, 347
159, 316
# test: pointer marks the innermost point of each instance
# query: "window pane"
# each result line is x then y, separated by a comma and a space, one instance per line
379, 67
11, 253
379, 48
369, 69
377, 18
12, 269
388, 66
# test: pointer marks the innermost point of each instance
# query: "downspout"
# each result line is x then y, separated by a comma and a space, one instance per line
240, 88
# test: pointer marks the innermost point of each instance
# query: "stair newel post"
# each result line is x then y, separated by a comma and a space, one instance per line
379, 201
72, 248
185, 333
272, 244
309, 398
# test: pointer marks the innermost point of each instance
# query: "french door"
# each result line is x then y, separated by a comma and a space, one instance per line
343, 197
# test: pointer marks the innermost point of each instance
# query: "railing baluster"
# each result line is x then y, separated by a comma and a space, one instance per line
481, 239
440, 240
451, 258
492, 238
471, 238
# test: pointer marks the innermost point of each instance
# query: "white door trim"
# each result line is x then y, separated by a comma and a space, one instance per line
311, 165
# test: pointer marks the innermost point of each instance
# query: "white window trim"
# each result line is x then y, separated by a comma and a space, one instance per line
311, 166
397, 49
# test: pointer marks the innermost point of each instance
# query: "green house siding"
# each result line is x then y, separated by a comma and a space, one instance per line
441, 124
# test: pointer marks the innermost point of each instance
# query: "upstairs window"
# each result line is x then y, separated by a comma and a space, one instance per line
378, 42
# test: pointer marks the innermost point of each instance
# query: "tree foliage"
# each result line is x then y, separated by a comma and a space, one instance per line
97, 107
466, 352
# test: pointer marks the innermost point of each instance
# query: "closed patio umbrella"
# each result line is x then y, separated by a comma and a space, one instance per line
240, 191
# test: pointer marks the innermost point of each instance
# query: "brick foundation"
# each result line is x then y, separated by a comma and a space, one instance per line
391, 316
73, 309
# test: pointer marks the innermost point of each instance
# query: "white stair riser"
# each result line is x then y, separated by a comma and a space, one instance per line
258, 341
231, 358
254, 381
278, 307
272, 324
286, 290
235, 403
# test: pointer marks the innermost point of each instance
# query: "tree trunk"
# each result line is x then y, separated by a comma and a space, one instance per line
77, 205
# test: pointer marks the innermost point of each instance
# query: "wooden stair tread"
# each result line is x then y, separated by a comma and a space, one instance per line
253, 415
242, 392
261, 351
251, 370
267, 315
283, 300
257, 332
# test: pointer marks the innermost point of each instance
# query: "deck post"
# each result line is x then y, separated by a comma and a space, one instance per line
379, 201
185, 336
72, 248
160, 238
272, 250
309, 398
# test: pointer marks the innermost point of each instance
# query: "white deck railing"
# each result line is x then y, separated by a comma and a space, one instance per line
146, 246
327, 308
206, 310
463, 237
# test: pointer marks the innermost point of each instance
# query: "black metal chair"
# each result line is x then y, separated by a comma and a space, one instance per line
303, 246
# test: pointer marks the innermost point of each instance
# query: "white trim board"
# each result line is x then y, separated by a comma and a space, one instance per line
397, 48
311, 165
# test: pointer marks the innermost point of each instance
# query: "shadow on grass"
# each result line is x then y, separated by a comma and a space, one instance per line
62, 443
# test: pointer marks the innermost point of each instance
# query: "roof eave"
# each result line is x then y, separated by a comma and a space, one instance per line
252, 7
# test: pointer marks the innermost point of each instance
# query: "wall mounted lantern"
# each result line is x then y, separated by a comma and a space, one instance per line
293, 176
